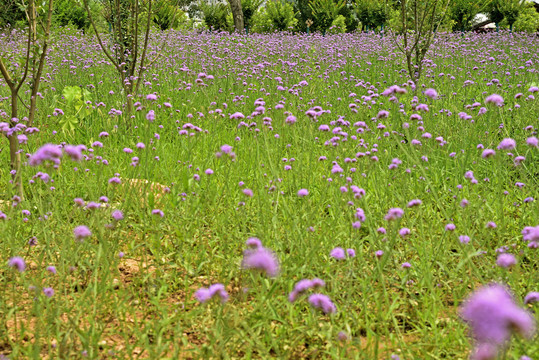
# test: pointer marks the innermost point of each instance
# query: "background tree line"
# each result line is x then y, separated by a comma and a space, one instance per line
337, 16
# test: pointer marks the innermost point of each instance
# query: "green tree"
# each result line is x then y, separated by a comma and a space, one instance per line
70, 13
420, 21
462, 12
11, 13
280, 14
528, 19
372, 13
324, 12
167, 14
507, 10
214, 15
249, 8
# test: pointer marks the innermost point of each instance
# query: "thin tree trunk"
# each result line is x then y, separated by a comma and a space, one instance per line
237, 14
14, 153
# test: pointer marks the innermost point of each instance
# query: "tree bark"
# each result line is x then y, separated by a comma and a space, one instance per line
237, 14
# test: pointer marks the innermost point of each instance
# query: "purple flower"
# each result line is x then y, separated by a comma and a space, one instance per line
304, 285
394, 213
92, 205
492, 225
117, 215
338, 253
51, 269
431, 93
208, 172
226, 149
531, 234
532, 141
351, 252
81, 232
494, 99
464, 239
518, 160
488, 153
158, 212
506, 260
404, 231
342, 336
493, 315
253, 243
382, 114
531, 297
322, 302
378, 253
303, 192
150, 116
261, 259
48, 291
406, 265
484, 351
17, 262
237, 115
450, 227
74, 151
115, 180
507, 144
205, 294
414, 202
151, 97
248, 192
47, 152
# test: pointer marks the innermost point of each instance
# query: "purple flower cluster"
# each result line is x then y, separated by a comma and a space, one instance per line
257, 257
493, 316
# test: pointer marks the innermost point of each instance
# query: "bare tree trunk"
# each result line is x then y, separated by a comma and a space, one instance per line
14, 153
237, 13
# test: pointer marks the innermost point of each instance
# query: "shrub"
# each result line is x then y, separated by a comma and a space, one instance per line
528, 20
279, 15
338, 26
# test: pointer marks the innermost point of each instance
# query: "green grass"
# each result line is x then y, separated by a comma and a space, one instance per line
142, 305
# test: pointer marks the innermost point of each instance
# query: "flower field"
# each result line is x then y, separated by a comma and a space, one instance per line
275, 196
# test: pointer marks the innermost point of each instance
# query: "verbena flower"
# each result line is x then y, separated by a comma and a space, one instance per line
494, 99
431, 93
81, 232
322, 302
493, 316
414, 202
507, 144
338, 253
117, 215
464, 239
506, 260
303, 285
531, 297
261, 259
47, 152
394, 213
48, 291
303, 192
205, 294
18, 263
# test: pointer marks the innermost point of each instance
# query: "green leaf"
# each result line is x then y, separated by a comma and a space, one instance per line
72, 93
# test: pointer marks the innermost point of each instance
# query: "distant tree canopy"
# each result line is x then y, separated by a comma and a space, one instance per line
295, 15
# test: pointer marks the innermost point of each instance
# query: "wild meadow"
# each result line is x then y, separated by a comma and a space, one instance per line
275, 196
